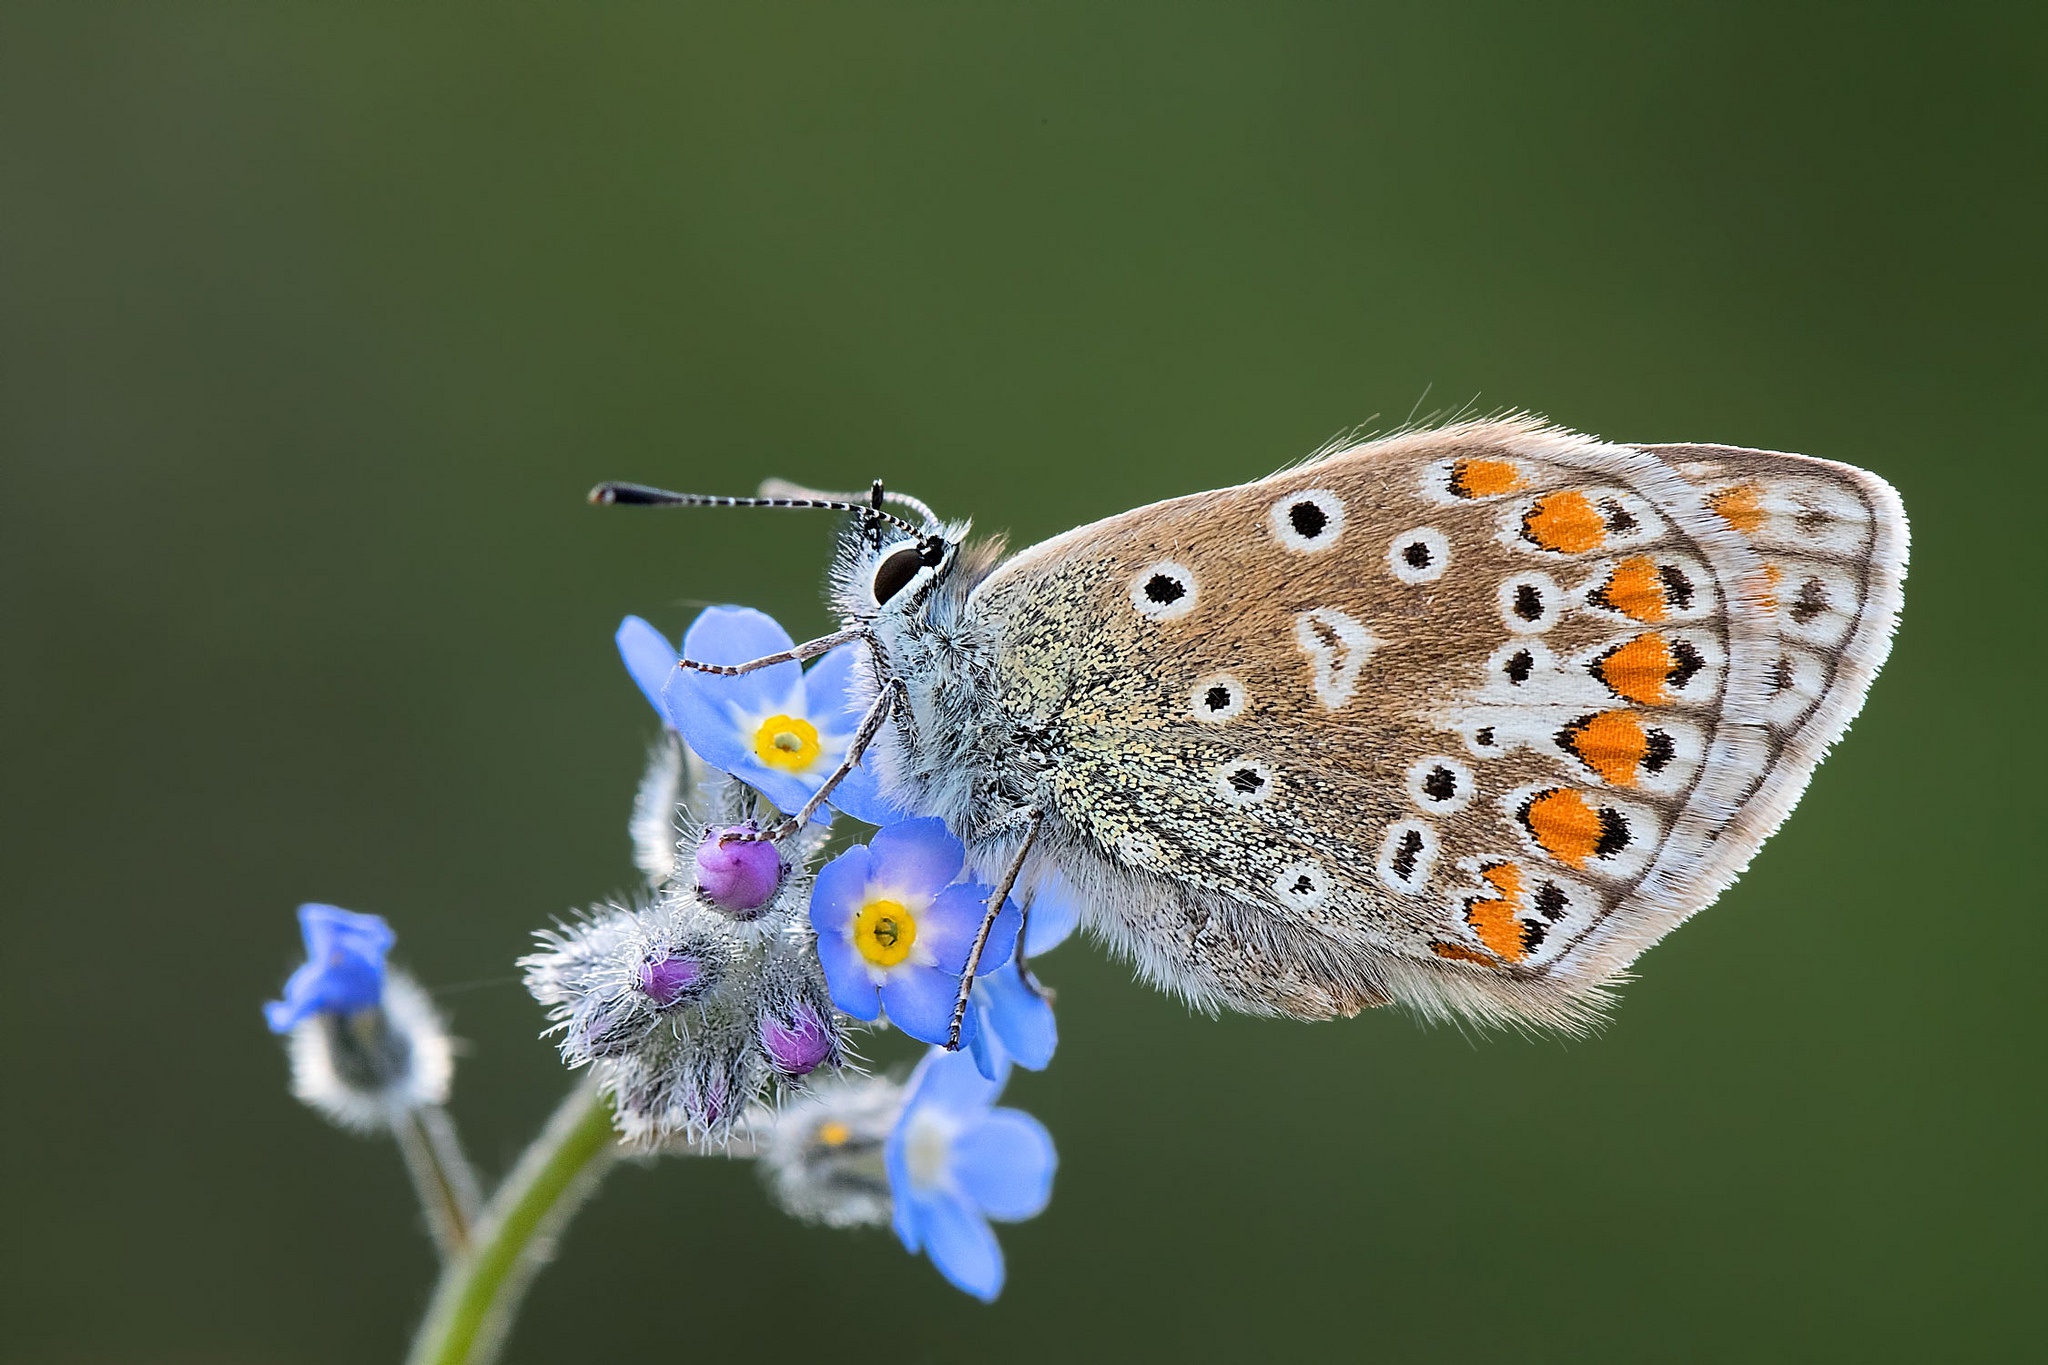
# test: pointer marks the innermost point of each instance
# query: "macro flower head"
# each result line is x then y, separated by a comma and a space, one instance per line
823, 1155
367, 1045
895, 928
344, 967
956, 1161
781, 730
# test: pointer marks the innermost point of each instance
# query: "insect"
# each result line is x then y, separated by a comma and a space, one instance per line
1464, 719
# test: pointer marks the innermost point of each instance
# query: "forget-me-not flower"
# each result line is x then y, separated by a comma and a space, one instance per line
895, 928
367, 1046
780, 729
955, 1161
344, 968
1013, 1018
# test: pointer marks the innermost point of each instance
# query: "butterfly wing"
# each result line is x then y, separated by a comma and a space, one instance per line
1465, 718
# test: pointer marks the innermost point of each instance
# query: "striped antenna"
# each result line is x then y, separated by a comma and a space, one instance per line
640, 495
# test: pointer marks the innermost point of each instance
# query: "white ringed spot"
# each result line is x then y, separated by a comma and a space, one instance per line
1419, 556
1338, 646
1308, 521
1530, 603
1217, 699
1441, 784
1165, 591
1302, 886
1407, 855
1244, 782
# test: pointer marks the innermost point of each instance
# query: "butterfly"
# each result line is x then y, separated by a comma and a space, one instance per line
1463, 719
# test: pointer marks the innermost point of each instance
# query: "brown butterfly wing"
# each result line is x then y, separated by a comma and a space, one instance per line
1464, 718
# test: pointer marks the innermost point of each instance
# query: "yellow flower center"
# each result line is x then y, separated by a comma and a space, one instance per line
884, 931
787, 742
833, 1133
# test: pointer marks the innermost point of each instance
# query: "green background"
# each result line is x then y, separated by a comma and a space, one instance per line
317, 321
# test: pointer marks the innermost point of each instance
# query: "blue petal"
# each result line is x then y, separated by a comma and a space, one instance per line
828, 688
963, 1247
952, 921
980, 1041
840, 890
859, 794
651, 659
836, 899
344, 967
950, 1083
738, 635
905, 1213
1019, 1016
1004, 1164
846, 976
917, 857
1055, 911
903, 1196
920, 1001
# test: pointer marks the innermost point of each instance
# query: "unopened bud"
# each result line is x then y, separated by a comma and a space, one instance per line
738, 875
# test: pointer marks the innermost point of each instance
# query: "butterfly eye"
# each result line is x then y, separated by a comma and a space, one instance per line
900, 566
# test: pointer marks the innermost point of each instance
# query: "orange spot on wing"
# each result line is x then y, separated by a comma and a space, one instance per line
1741, 506
1639, 669
1484, 478
1506, 879
1459, 953
1635, 589
1493, 918
1612, 744
1767, 596
1564, 825
1566, 522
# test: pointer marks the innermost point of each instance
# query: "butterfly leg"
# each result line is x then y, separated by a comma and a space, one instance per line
809, 649
988, 924
870, 725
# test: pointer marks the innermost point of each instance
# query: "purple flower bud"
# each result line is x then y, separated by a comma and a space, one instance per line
739, 876
669, 980
800, 1045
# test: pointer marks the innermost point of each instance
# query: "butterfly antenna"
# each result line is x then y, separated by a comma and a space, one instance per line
783, 488
640, 495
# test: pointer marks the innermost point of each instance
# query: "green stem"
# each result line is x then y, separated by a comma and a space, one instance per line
479, 1293
441, 1175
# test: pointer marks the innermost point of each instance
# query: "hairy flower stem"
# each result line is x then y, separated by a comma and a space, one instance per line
480, 1292
441, 1176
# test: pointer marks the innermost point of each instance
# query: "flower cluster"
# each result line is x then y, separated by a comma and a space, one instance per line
893, 923
714, 1009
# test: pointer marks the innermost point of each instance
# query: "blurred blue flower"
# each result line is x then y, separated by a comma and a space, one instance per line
955, 1161
894, 928
344, 967
1013, 1020
779, 729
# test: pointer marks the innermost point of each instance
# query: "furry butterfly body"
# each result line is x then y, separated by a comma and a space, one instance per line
1463, 719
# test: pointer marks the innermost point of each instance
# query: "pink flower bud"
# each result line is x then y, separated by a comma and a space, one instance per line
798, 1046
739, 876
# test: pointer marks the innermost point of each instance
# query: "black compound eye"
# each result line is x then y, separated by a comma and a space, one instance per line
896, 570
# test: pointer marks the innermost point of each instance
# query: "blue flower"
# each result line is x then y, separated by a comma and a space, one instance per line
779, 729
343, 971
955, 1161
894, 928
1013, 1020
